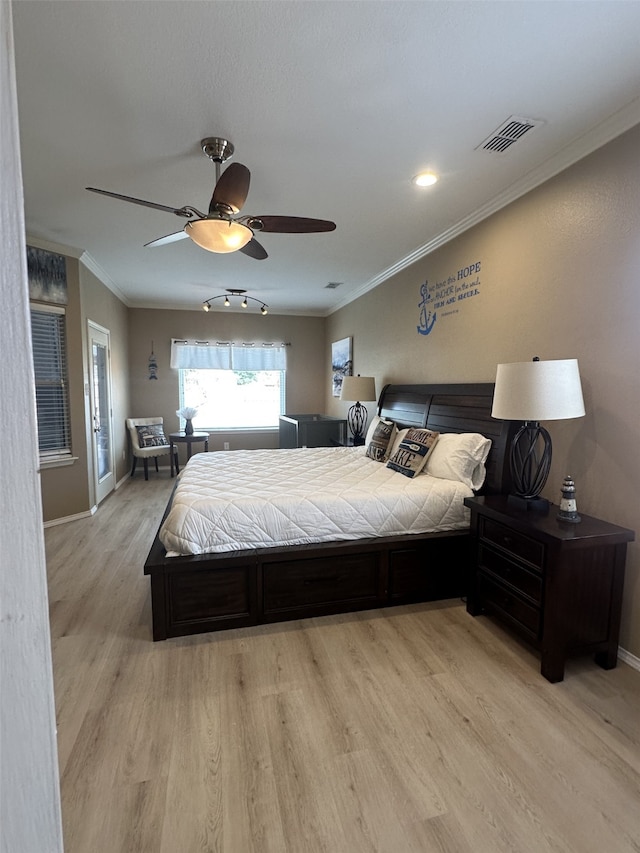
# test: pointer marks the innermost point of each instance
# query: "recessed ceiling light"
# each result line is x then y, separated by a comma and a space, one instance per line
425, 179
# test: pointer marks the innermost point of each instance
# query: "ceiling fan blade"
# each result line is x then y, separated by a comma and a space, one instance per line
290, 224
179, 211
170, 238
232, 188
254, 250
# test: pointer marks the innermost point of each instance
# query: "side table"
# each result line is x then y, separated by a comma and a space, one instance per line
189, 440
557, 584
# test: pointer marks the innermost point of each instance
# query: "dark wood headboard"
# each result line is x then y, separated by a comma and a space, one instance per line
454, 408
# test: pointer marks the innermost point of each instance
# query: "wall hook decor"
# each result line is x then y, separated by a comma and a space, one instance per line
153, 365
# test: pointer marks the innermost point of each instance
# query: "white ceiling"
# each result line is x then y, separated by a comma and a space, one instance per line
333, 106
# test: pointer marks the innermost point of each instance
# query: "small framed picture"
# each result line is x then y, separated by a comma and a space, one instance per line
47, 273
341, 363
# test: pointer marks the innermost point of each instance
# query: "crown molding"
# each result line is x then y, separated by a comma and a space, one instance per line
86, 259
50, 246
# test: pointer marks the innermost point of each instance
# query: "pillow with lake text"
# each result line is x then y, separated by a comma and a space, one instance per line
412, 448
151, 435
379, 439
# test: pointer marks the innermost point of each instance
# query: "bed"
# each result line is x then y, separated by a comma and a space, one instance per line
228, 571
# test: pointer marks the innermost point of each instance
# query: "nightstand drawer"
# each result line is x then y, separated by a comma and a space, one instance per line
515, 609
526, 582
515, 543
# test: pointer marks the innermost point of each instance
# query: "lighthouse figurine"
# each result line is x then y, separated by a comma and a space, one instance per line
568, 511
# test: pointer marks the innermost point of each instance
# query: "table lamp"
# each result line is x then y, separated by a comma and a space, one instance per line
357, 388
534, 391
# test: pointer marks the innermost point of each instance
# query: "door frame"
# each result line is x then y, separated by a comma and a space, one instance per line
104, 487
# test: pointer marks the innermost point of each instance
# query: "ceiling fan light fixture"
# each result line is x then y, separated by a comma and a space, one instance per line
219, 235
425, 179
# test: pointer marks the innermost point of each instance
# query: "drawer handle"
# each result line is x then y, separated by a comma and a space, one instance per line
309, 581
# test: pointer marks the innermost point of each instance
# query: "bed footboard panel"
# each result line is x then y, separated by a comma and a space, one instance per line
195, 595
329, 583
430, 570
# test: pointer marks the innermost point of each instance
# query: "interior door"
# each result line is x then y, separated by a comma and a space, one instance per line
100, 401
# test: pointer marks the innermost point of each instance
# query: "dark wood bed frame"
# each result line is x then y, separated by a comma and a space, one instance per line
210, 592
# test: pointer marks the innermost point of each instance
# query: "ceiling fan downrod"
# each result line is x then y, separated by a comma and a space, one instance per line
218, 150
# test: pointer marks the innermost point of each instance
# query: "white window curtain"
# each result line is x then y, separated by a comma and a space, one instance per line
221, 355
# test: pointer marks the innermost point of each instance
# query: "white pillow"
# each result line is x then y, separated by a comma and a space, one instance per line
461, 457
394, 444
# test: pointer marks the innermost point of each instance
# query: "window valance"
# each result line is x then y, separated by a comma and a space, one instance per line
225, 355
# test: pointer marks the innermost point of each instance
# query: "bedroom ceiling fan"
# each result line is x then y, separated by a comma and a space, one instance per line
220, 230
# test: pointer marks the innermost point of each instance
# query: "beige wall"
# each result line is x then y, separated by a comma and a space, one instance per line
558, 279
305, 362
69, 491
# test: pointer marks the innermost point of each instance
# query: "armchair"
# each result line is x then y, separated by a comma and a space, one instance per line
148, 441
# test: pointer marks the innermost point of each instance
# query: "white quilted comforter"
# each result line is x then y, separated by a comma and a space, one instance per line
230, 501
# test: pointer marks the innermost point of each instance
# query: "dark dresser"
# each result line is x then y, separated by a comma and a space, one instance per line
312, 430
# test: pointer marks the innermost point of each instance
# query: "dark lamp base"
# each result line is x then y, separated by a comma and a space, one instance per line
540, 505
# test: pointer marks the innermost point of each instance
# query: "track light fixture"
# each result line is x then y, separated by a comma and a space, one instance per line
206, 305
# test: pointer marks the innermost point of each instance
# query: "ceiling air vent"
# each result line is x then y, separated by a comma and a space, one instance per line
332, 285
509, 132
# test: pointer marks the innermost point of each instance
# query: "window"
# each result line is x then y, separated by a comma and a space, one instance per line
233, 387
52, 393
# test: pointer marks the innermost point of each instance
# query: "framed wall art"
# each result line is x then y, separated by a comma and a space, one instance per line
341, 363
47, 273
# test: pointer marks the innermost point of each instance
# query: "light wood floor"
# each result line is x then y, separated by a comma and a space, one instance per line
410, 729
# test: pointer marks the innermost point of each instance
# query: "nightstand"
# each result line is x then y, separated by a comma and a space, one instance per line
557, 584
189, 440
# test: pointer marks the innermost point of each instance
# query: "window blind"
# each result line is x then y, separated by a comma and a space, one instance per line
48, 336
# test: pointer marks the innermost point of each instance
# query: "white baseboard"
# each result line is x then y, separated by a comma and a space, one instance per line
628, 658
68, 518
122, 481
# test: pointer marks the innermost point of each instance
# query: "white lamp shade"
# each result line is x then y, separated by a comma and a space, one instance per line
538, 391
219, 235
356, 388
